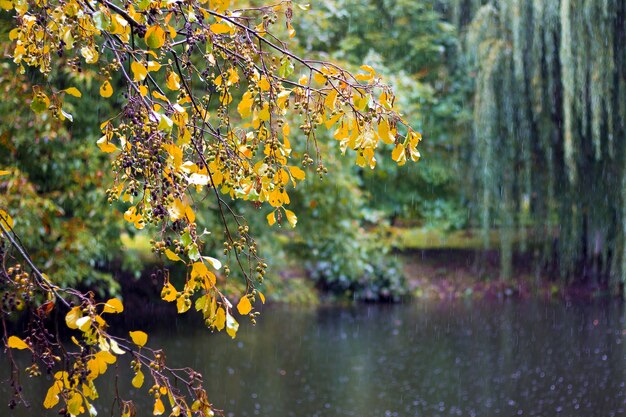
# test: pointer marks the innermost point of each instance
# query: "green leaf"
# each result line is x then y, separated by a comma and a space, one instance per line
286, 68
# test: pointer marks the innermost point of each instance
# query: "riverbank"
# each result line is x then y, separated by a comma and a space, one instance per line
437, 266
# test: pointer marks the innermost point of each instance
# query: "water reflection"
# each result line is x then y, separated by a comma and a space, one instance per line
476, 359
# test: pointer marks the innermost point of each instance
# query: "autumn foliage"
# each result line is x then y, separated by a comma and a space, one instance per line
210, 101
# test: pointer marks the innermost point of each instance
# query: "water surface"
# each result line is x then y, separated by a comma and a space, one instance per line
508, 358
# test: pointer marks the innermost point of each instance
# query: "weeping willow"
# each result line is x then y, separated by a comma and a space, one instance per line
547, 148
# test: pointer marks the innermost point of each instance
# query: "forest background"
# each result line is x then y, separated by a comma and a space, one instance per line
520, 187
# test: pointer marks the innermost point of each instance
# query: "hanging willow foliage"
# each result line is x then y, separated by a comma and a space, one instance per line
549, 124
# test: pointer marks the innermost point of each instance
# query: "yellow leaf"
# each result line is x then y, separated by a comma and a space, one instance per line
138, 337
291, 30
231, 325
264, 84
366, 77
90, 54
215, 263
176, 210
73, 91
153, 66
261, 296
264, 114
245, 105
172, 256
115, 347
168, 293
6, 219
291, 217
139, 71
385, 132
155, 37
106, 146
331, 100
219, 28
271, 218
200, 270
182, 305
15, 342
143, 90
83, 323
106, 90
52, 396
398, 154
244, 306
297, 173
159, 408
72, 316
220, 319
113, 306
173, 81
4, 172
74, 404
138, 379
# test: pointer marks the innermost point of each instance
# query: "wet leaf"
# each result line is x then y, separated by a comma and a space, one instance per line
138, 337
138, 379
244, 307
15, 342
106, 90
113, 306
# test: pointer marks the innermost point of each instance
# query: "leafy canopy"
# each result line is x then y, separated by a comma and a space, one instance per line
209, 101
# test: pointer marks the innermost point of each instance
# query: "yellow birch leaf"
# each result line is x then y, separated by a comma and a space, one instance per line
106, 146
113, 306
138, 337
4, 172
173, 81
159, 408
291, 30
106, 90
244, 306
72, 316
153, 66
215, 263
261, 296
168, 293
271, 218
52, 396
291, 217
331, 100
297, 173
220, 319
6, 4
138, 379
181, 305
73, 91
264, 84
74, 404
231, 325
220, 28
245, 105
83, 323
172, 256
15, 342
385, 132
139, 71
155, 37
398, 154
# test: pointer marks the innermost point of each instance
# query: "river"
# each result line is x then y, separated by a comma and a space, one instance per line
479, 358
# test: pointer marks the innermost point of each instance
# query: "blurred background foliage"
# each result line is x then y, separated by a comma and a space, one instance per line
442, 58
